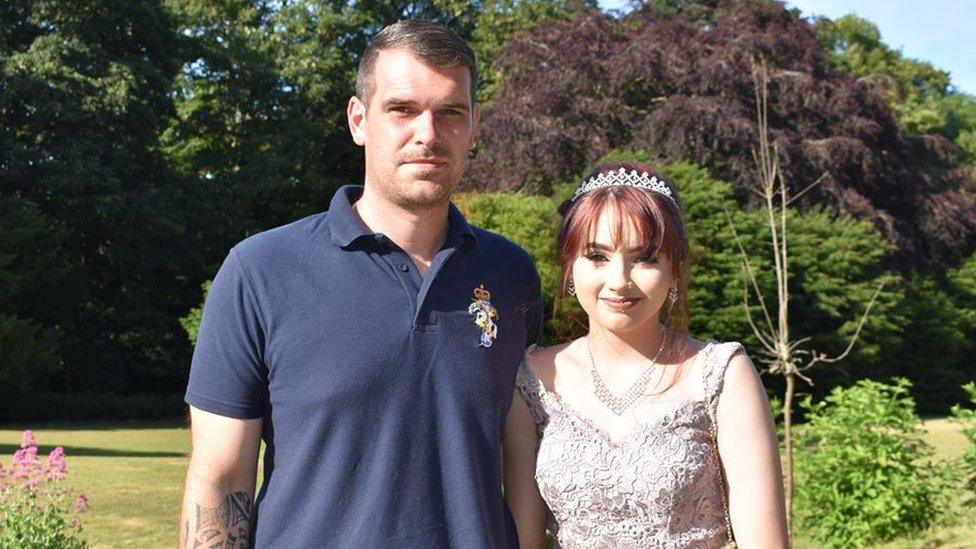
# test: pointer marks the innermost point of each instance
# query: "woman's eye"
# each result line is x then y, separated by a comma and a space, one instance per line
596, 257
645, 259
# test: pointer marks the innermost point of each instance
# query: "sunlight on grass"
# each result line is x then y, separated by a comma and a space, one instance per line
133, 474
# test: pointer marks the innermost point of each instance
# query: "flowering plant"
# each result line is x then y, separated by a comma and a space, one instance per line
32, 501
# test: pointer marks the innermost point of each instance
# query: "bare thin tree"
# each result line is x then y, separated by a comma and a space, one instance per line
780, 355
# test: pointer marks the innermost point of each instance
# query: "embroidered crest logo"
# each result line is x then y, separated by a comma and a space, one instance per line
484, 315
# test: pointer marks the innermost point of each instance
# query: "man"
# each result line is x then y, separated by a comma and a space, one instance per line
372, 347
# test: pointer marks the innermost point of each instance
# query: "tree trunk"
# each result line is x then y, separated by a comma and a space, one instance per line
788, 442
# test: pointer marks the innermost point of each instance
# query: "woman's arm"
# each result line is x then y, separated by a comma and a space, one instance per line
518, 461
750, 456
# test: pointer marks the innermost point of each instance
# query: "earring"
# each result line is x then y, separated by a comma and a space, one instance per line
672, 296
472, 152
570, 287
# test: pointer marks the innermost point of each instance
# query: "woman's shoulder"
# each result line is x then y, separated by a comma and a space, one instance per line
542, 362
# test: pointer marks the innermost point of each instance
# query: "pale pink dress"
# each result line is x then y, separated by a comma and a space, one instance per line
659, 487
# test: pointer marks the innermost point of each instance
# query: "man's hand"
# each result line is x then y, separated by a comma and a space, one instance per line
219, 495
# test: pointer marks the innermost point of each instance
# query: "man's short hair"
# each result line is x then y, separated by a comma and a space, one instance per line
433, 43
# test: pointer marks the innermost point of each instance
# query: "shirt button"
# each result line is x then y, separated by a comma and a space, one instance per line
402, 267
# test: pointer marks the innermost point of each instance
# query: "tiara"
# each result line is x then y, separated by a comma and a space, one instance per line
622, 177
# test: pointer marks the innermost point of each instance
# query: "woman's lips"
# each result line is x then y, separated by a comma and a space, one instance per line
619, 303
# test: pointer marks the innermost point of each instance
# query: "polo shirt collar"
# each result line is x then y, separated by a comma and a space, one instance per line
346, 227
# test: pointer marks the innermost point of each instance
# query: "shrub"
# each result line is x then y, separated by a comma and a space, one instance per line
191, 322
864, 473
967, 461
32, 501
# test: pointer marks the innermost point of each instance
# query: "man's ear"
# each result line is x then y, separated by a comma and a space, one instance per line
356, 115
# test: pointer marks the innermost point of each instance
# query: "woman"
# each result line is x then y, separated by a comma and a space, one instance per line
649, 438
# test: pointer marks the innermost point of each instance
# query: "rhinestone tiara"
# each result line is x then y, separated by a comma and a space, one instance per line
623, 177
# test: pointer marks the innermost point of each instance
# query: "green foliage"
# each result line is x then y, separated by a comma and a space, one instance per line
865, 475
966, 417
499, 20
936, 346
31, 269
919, 94
85, 95
32, 501
27, 352
191, 322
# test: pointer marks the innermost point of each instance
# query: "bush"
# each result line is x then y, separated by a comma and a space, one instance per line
864, 474
32, 501
967, 461
191, 322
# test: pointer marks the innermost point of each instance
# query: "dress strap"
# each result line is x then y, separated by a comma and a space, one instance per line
531, 390
713, 373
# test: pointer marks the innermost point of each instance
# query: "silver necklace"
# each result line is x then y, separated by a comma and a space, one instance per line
619, 404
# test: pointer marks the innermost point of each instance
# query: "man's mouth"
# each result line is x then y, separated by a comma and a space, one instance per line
426, 162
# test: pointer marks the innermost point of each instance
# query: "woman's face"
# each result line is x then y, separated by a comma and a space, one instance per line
619, 286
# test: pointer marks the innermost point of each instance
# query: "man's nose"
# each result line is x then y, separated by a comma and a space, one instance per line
425, 129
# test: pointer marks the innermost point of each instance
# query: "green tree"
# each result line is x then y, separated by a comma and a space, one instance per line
31, 269
920, 94
85, 95
915, 89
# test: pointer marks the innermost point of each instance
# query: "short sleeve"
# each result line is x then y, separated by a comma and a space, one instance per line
714, 372
531, 391
228, 375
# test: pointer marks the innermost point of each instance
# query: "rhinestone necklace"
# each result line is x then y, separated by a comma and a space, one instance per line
619, 404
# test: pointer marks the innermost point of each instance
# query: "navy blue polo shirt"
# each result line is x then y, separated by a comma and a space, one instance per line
383, 412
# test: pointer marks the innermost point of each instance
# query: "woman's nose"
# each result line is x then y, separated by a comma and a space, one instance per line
619, 277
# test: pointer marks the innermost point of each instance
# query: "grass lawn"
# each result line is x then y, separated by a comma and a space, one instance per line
133, 473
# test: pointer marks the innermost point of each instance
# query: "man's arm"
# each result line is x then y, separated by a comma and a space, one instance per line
219, 495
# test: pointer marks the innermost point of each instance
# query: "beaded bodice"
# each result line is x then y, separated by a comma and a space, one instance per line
659, 487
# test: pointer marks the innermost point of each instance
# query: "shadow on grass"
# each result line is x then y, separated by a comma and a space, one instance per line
7, 450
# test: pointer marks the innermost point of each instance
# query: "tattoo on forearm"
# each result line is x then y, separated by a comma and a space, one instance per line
227, 526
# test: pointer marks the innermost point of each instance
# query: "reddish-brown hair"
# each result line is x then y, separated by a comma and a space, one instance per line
656, 218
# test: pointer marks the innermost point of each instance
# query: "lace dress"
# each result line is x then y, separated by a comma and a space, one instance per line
660, 487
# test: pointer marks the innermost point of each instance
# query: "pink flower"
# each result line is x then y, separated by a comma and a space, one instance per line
27, 439
81, 503
57, 467
25, 462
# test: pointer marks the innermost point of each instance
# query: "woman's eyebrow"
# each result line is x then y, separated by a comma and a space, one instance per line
605, 248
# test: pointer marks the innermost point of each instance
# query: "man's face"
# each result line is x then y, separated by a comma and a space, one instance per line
417, 130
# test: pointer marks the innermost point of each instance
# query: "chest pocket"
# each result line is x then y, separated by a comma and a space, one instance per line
462, 337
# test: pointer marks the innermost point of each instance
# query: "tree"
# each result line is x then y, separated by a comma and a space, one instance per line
920, 95
783, 353
85, 95
31, 269
676, 82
